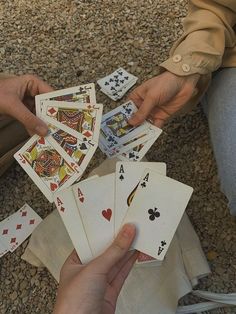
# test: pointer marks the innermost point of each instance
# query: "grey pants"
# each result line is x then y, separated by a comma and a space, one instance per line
219, 104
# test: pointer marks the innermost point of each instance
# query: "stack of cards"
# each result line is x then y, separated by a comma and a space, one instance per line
16, 228
119, 139
94, 210
59, 159
117, 83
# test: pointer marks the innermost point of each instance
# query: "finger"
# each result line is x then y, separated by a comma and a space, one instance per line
34, 85
116, 251
73, 258
120, 278
146, 107
116, 268
136, 97
20, 112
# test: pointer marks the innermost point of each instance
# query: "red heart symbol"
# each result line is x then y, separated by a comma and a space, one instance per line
107, 213
41, 140
81, 199
53, 186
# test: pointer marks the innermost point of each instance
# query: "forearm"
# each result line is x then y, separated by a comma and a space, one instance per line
208, 30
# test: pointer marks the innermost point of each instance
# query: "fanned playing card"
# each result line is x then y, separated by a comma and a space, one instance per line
67, 207
128, 175
50, 169
95, 202
156, 210
115, 129
138, 152
80, 150
80, 94
80, 120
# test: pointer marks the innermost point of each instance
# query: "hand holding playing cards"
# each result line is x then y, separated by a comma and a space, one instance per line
94, 288
17, 100
162, 96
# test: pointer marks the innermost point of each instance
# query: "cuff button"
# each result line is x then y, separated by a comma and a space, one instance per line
185, 67
177, 58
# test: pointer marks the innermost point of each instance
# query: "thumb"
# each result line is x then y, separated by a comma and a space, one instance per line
117, 250
32, 123
143, 111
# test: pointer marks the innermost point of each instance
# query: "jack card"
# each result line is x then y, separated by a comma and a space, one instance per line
115, 129
80, 94
80, 120
49, 169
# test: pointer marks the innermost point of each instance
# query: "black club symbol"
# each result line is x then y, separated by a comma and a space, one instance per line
154, 213
163, 243
143, 185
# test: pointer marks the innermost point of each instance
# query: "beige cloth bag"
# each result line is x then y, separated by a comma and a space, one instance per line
148, 290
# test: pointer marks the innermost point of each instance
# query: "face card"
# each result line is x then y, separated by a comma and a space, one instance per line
80, 150
138, 152
128, 175
82, 94
115, 129
49, 169
95, 202
156, 210
67, 207
17, 228
80, 120
143, 137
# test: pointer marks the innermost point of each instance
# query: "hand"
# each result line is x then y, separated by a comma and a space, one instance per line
94, 288
162, 96
17, 100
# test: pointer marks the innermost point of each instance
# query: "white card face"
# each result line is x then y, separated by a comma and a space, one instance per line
50, 169
3, 249
67, 207
82, 94
79, 120
115, 129
95, 201
128, 175
156, 210
80, 150
18, 227
138, 152
116, 81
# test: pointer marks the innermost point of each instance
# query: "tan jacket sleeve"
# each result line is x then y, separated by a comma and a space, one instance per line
208, 31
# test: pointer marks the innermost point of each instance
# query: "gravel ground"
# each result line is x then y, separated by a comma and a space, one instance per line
71, 42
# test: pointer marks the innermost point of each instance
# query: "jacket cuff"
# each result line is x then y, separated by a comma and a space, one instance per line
187, 65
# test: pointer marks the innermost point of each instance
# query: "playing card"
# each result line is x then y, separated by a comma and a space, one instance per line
138, 152
128, 175
50, 169
80, 120
95, 201
156, 210
17, 228
82, 94
117, 83
80, 150
115, 129
149, 134
67, 207
3, 249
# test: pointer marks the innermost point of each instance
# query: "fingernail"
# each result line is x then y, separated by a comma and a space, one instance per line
128, 230
41, 130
